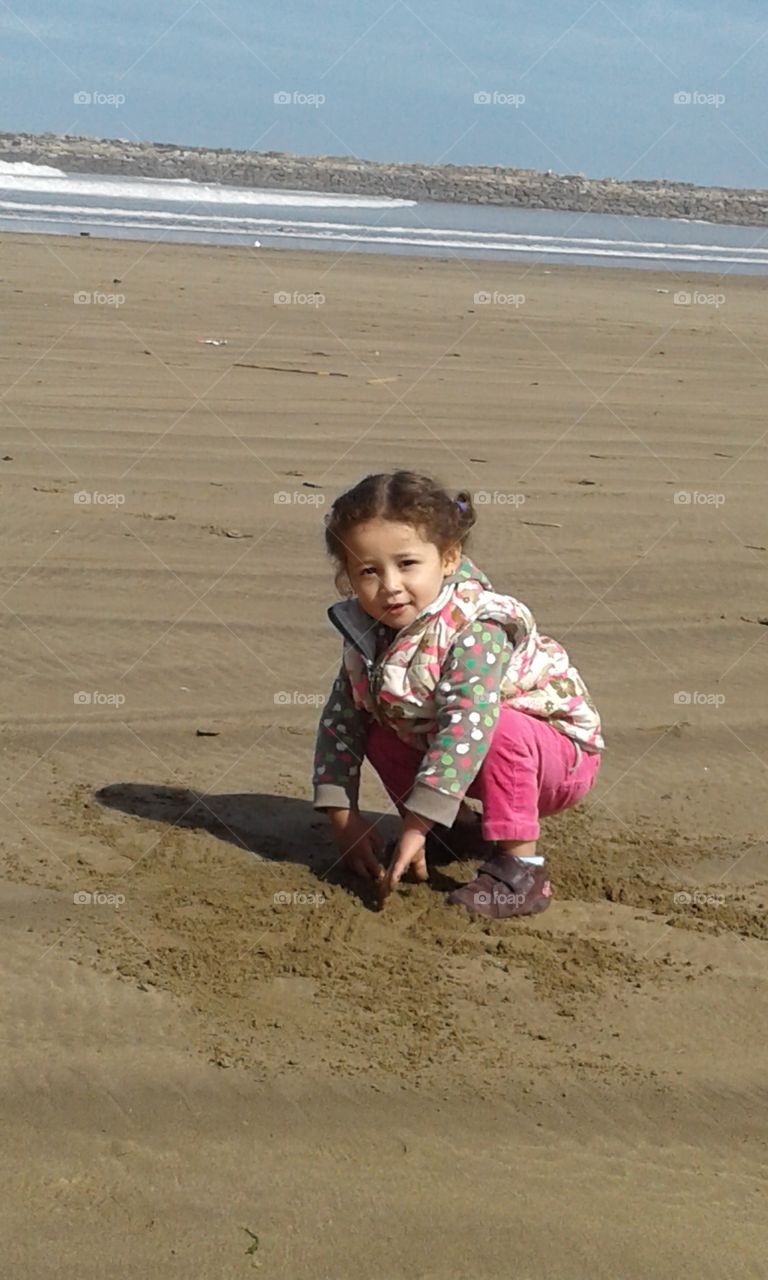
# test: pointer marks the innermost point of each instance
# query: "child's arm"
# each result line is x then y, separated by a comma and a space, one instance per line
467, 699
339, 753
339, 748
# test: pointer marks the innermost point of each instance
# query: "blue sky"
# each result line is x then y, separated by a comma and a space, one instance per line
573, 86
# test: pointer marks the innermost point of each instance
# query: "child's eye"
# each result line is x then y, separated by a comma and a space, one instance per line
370, 570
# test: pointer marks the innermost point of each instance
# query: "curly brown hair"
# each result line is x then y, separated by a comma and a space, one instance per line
405, 497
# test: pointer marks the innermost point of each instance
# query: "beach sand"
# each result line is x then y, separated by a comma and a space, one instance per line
242, 1045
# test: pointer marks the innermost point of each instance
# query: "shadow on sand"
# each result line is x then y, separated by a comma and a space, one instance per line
278, 828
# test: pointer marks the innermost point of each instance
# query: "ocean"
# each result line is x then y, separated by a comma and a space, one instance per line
39, 199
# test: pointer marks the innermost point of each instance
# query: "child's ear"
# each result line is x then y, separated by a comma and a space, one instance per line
451, 560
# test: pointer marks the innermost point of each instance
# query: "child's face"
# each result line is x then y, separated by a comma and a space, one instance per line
394, 572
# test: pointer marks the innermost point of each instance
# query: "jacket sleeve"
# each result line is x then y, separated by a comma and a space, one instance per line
467, 701
339, 748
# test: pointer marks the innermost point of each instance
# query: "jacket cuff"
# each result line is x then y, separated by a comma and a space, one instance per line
426, 802
328, 795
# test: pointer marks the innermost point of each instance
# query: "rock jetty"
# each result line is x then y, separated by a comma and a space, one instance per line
465, 184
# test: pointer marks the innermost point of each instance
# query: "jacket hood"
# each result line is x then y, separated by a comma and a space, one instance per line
359, 628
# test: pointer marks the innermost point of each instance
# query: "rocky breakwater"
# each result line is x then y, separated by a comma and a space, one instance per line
278, 170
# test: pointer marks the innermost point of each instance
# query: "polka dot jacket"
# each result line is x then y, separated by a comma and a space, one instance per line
439, 684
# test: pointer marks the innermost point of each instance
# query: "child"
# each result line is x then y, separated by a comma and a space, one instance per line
449, 690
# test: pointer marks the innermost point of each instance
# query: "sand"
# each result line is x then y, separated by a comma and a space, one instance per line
226, 1039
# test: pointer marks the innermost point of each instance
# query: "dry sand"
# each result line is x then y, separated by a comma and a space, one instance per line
412, 1093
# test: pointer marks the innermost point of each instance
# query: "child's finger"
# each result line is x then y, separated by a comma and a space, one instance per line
398, 865
369, 864
417, 872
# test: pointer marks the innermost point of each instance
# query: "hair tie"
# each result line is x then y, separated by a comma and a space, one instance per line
461, 504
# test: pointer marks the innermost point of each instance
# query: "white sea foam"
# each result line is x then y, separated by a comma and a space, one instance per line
38, 178
21, 169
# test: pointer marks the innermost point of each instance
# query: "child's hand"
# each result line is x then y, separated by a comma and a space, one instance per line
409, 853
358, 843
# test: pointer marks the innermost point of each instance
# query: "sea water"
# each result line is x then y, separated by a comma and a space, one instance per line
40, 199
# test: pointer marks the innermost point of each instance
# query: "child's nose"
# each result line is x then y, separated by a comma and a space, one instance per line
390, 580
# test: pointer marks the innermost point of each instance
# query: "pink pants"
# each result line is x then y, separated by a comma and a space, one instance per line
531, 771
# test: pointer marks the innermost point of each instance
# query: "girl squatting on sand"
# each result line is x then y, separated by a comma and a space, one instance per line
449, 690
